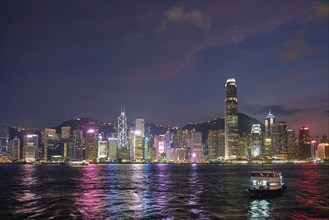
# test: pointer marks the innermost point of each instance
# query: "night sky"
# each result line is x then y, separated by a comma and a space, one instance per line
164, 61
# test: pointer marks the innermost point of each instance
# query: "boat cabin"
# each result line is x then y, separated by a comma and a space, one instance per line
266, 180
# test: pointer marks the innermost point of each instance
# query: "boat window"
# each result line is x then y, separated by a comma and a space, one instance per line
265, 174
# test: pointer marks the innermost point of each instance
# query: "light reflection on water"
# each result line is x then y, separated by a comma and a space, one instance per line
26, 197
91, 203
157, 191
196, 189
259, 208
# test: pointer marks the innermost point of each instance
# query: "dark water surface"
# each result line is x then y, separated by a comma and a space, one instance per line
157, 191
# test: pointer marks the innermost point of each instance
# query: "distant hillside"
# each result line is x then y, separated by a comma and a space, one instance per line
85, 123
244, 125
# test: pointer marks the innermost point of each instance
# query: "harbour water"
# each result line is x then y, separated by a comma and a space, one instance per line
158, 191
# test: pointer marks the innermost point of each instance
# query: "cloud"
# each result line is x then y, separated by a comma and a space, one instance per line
134, 36
237, 35
295, 47
275, 109
145, 17
177, 15
319, 11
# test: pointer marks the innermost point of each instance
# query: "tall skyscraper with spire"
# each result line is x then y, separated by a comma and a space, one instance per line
231, 120
269, 121
122, 130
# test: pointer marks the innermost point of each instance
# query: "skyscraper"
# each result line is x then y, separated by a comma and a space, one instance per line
292, 144
65, 132
4, 137
48, 140
138, 139
15, 149
304, 142
113, 147
102, 151
269, 121
30, 148
90, 143
213, 148
279, 138
123, 143
231, 120
256, 140
78, 144
122, 131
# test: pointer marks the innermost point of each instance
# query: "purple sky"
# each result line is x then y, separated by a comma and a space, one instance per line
164, 61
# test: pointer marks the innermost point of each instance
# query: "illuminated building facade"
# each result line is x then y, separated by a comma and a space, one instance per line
4, 137
256, 140
65, 132
269, 121
304, 143
213, 148
185, 138
231, 120
221, 143
244, 145
160, 145
279, 138
16, 149
292, 144
122, 131
78, 143
113, 147
48, 140
146, 155
322, 151
90, 144
102, 151
138, 139
30, 147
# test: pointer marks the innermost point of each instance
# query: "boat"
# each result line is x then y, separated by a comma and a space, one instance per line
266, 184
77, 163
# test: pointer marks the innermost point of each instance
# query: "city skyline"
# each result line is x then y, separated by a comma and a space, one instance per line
166, 62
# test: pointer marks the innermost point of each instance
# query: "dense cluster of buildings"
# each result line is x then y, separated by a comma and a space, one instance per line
137, 144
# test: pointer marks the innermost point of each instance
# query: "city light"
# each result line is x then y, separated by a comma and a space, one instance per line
137, 132
91, 131
30, 135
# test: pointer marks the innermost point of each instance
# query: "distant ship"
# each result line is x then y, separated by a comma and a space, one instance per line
76, 163
265, 183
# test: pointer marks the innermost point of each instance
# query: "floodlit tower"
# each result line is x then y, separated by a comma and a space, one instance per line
256, 140
122, 130
231, 119
269, 121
